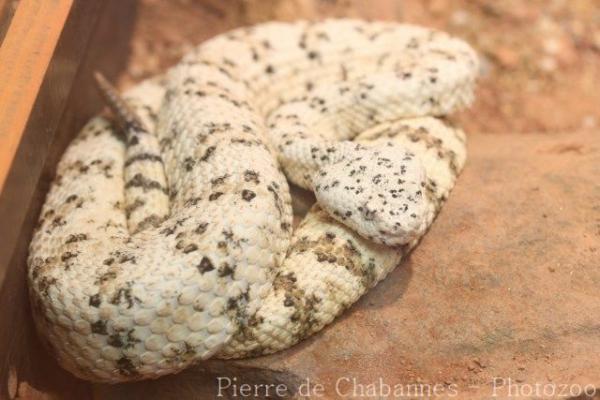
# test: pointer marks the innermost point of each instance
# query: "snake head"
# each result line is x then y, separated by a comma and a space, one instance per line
377, 191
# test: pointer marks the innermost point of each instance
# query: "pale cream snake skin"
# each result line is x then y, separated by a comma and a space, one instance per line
173, 243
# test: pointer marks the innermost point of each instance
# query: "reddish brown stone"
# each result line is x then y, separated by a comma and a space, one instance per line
505, 284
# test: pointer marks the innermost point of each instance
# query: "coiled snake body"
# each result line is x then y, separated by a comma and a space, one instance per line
174, 243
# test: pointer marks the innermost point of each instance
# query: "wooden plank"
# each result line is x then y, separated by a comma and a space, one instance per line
7, 10
24, 58
94, 35
39, 59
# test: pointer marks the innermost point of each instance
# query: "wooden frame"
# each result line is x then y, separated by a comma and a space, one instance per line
47, 58
32, 99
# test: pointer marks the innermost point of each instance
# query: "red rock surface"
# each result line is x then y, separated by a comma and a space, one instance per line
505, 284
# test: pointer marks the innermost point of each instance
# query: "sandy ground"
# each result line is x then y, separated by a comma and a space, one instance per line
540, 59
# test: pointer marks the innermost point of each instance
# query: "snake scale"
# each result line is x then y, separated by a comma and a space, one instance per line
170, 240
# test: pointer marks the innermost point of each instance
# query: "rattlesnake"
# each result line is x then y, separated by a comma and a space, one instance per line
196, 258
